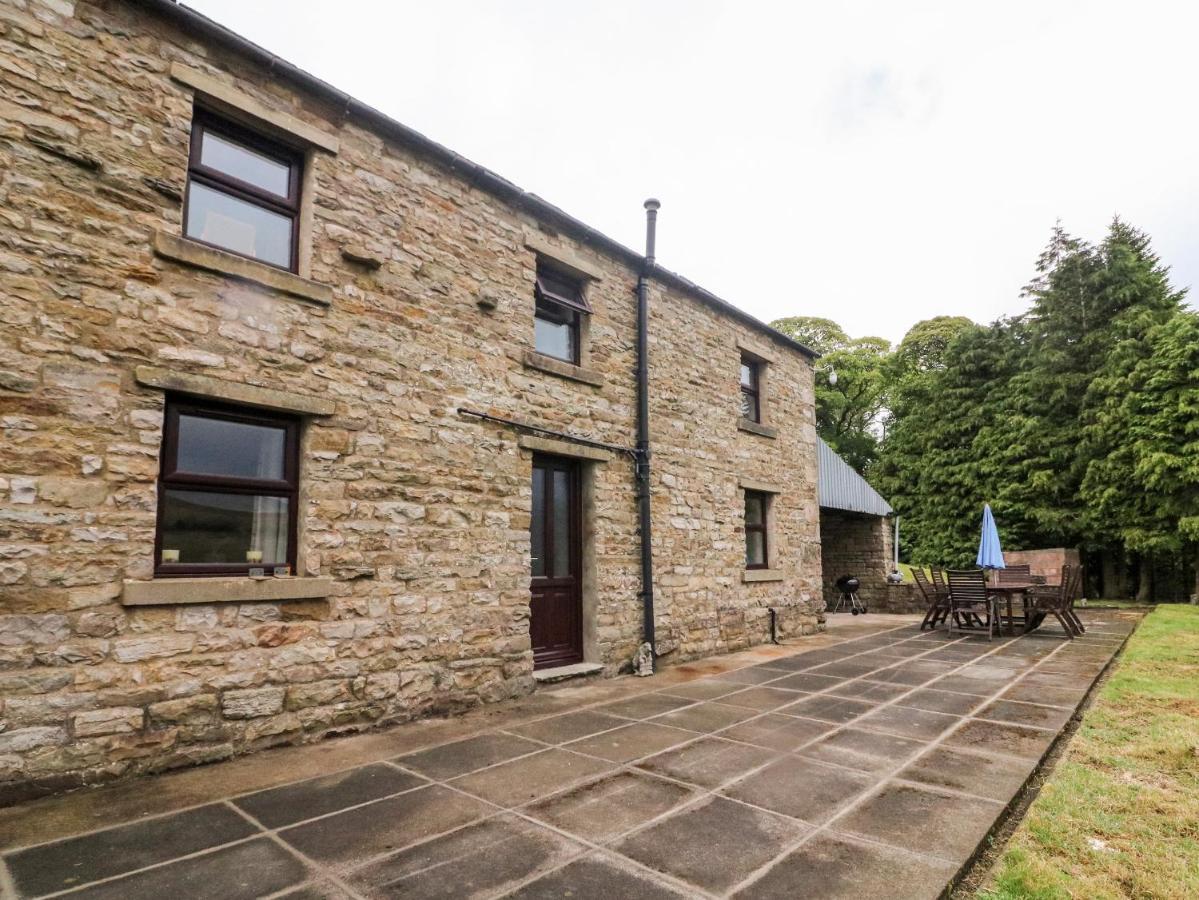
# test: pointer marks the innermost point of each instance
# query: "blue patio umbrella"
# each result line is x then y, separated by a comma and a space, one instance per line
990, 556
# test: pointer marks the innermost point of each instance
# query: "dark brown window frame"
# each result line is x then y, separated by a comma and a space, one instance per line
169, 477
560, 307
202, 121
754, 390
763, 529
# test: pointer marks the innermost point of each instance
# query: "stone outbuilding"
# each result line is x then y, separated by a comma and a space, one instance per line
309, 423
856, 536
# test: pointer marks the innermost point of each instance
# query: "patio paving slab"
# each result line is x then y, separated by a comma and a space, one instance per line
842, 868
964, 684
705, 717
255, 868
611, 806
465, 756
869, 690
1026, 714
989, 775
114, 851
829, 708
308, 799
807, 681
801, 788
921, 724
681, 845
596, 877
865, 750
1017, 740
940, 701
358, 834
569, 727
479, 860
631, 742
927, 821
778, 732
762, 699
750, 675
704, 689
1067, 698
851, 668
708, 763
524, 780
645, 706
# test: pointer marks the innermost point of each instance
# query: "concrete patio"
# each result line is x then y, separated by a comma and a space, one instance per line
867, 762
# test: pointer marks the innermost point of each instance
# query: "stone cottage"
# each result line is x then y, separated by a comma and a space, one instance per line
308, 423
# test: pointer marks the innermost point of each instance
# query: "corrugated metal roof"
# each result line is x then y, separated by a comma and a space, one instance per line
840, 487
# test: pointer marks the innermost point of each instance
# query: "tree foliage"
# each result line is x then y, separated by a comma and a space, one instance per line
849, 414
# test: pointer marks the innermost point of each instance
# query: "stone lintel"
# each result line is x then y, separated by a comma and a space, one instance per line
757, 351
563, 256
239, 101
766, 487
751, 575
233, 391
563, 448
767, 431
234, 589
542, 363
181, 250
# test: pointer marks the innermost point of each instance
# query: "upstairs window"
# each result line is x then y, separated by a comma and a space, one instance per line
243, 192
751, 389
559, 310
756, 550
227, 490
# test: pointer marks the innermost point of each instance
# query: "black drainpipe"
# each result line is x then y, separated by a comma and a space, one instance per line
643, 450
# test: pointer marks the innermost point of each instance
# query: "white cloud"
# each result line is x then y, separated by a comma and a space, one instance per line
873, 162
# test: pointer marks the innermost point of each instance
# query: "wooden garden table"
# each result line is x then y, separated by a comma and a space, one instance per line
1007, 592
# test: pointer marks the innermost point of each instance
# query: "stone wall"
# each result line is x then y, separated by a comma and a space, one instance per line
856, 544
413, 300
1046, 563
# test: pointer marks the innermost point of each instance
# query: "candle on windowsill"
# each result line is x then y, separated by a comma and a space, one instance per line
170, 556
254, 556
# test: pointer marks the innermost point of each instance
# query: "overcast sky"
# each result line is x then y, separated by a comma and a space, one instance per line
873, 162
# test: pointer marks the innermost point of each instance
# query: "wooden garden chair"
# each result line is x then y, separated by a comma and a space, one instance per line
938, 601
1015, 575
941, 586
971, 607
1055, 600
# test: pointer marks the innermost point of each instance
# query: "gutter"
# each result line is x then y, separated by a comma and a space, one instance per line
200, 26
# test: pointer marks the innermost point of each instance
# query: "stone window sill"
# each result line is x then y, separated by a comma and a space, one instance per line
569, 371
751, 575
191, 253
757, 428
234, 589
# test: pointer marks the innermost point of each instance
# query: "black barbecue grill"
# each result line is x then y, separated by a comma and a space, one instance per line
848, 585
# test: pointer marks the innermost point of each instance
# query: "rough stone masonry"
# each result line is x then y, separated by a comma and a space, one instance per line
412, 298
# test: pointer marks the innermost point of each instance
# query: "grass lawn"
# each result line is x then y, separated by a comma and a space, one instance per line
1119, 817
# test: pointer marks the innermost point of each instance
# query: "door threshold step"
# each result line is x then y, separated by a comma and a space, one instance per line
563, 673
